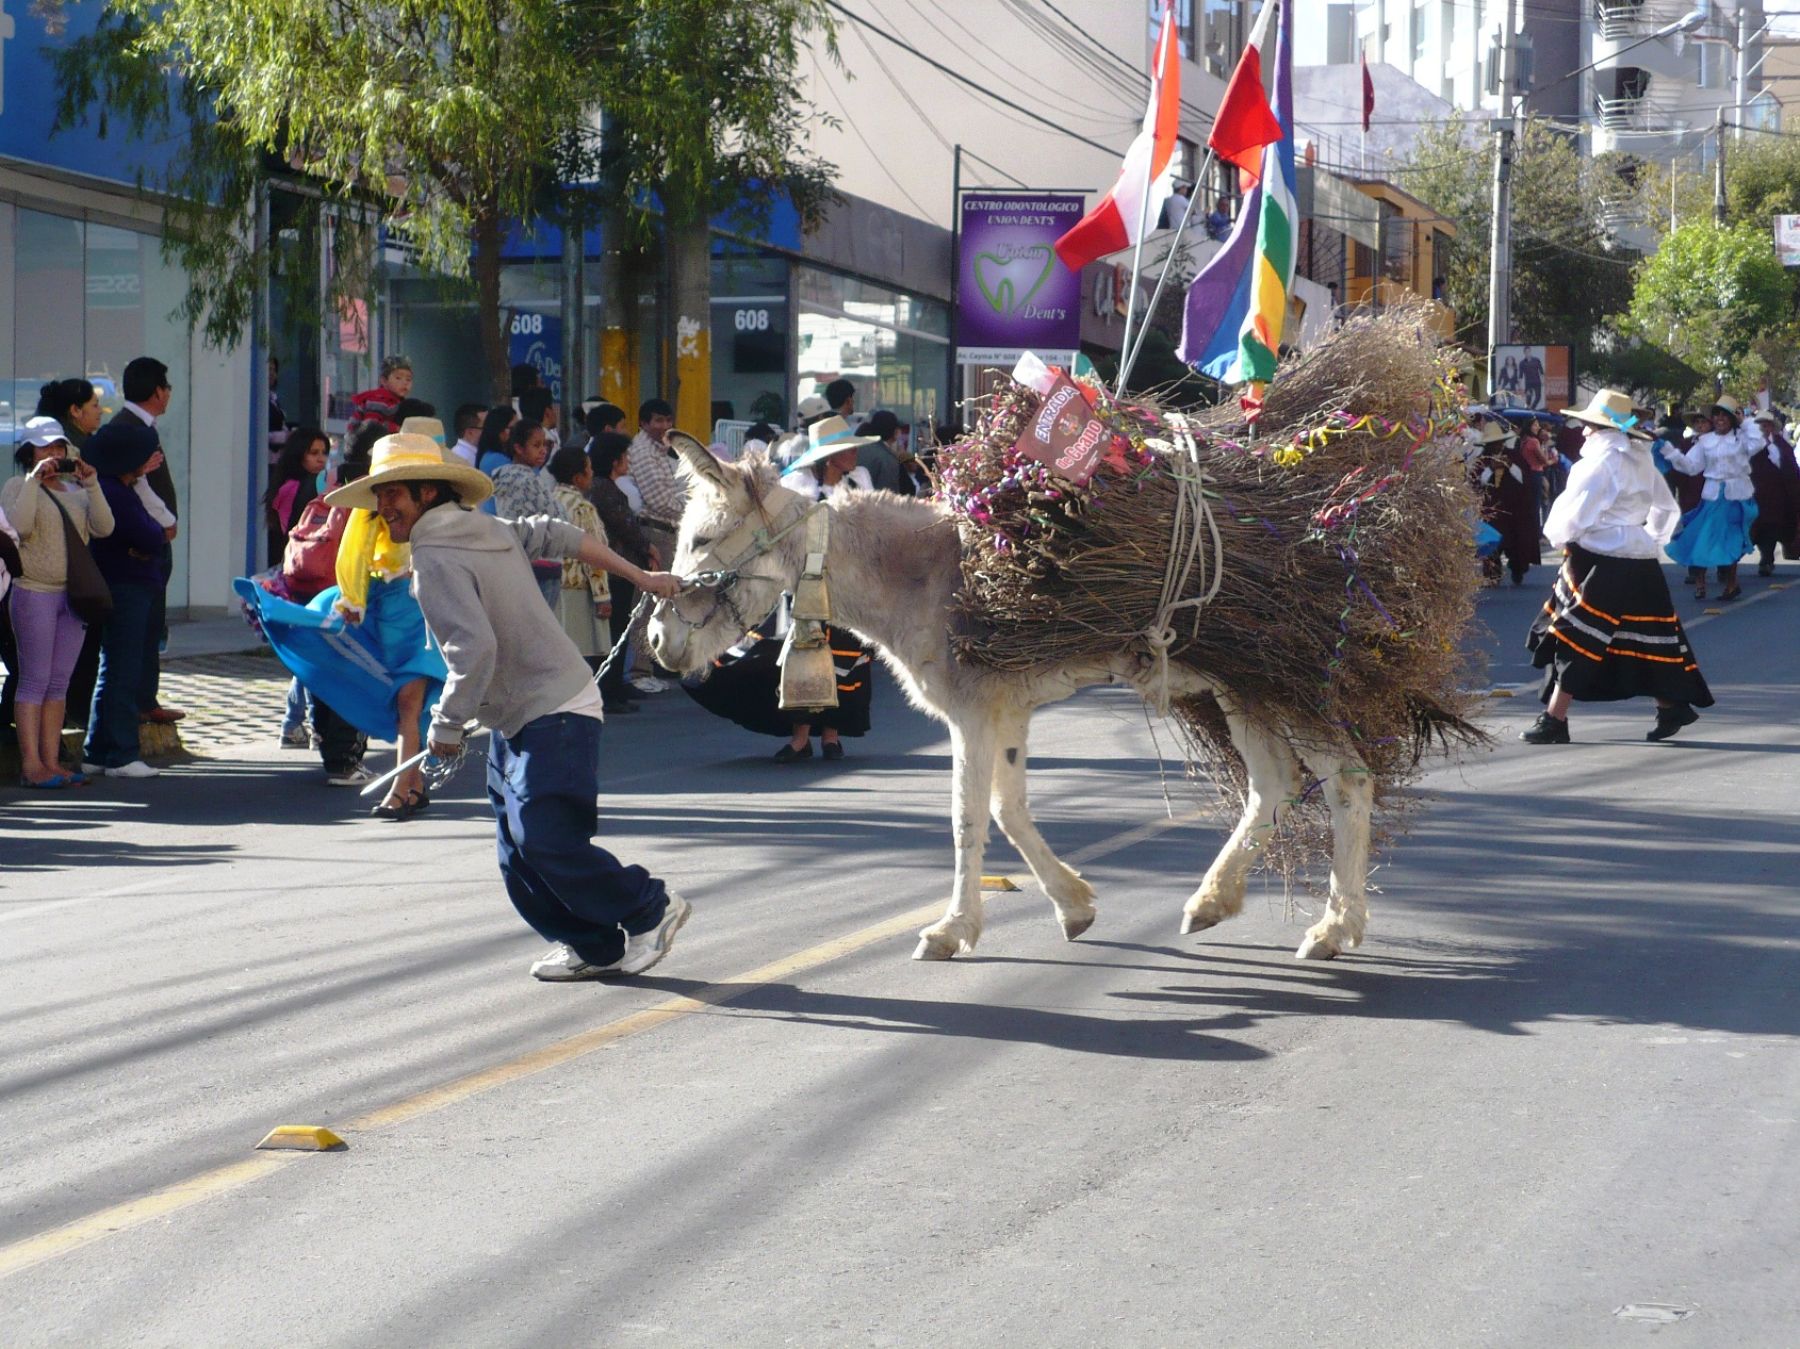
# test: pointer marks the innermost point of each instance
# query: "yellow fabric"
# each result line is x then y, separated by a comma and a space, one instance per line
367, 552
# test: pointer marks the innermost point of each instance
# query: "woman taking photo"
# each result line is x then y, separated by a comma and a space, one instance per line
48, 633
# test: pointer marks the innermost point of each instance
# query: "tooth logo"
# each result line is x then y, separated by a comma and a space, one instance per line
1007, 283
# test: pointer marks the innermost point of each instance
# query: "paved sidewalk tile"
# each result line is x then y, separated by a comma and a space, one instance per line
230, 700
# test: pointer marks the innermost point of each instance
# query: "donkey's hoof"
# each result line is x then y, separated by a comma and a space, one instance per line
1317, 948
1198, 922
1077, 924
935, 948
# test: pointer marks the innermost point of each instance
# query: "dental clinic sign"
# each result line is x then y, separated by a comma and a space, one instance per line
1013, 294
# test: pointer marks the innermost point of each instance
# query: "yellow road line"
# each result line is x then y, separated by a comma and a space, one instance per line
235, 1175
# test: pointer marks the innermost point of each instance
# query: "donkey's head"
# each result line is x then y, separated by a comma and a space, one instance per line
741, 531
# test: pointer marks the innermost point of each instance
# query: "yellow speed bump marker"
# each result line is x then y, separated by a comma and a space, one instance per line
1500, 693
1712, 611
302, 1138
1001, 883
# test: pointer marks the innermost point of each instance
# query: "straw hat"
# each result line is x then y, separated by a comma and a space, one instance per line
825, 438
1498, 433
1610, 410
1727, 404
429, 427
408, 457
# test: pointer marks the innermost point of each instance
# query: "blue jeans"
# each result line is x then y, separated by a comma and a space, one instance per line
541, 785
128, 641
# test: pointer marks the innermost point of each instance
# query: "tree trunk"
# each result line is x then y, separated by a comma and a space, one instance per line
690, 242
488, 317
618, 374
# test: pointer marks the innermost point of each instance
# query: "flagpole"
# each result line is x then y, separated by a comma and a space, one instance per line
1137, 251
1137, 267
1168, 264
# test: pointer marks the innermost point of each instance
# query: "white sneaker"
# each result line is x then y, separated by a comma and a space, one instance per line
646, 948
560, 965
137, 768
649, 684
356, 777
295, 737
93, 770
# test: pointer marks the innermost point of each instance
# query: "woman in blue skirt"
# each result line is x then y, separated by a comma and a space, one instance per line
1716, 533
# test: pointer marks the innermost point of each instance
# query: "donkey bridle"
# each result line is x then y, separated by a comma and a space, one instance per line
754, 540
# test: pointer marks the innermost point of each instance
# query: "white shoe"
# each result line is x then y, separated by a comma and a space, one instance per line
356, 777
93, 770
649, 684
137, 768
295, 737
646, 948
560, 965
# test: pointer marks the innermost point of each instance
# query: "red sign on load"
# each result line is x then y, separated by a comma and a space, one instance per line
1064, 434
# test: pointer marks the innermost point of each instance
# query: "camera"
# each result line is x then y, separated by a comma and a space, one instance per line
65, 465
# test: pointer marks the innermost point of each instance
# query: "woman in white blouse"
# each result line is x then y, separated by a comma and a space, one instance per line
1609, 631
1716, 533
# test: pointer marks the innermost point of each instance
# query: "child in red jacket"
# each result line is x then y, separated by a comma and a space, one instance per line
380, 403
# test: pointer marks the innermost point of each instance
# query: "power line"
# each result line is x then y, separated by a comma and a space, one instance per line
880, 163
964, 80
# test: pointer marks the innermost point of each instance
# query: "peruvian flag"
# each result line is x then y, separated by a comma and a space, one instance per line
1133, 207
1246, 122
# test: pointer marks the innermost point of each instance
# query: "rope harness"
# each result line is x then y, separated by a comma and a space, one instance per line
1188, 559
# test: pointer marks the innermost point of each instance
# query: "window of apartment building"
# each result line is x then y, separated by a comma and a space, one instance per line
1416, 33
1184, 24
1226, 29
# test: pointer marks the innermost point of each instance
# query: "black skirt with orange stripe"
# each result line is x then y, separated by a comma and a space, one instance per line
1609, 632
744, 686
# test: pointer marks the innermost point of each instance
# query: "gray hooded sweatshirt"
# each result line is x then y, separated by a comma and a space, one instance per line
510, 661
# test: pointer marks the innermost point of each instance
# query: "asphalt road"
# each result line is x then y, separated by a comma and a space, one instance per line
1552, 1101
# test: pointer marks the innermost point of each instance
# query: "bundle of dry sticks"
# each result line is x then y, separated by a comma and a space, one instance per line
1342, 574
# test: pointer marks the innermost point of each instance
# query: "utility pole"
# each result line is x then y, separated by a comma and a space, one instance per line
1500, 237
1741, 73
1719, 166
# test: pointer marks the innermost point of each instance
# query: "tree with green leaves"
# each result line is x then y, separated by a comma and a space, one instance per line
704, 121
1567, 274
442, 120
1710, 295
436, 119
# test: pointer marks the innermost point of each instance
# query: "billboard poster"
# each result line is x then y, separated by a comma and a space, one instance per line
533, 338
1536, 377
1787, 240
1013, 293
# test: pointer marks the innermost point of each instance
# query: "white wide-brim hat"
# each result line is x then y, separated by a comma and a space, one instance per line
1610, 410
406, 457
1493, 433
825, 438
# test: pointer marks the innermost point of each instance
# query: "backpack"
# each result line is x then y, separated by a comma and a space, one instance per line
309, 564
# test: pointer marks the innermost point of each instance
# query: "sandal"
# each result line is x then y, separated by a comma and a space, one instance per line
1731, 592
55, 783
386, 812
415, 803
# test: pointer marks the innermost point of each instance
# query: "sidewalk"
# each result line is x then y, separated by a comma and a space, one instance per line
232, 699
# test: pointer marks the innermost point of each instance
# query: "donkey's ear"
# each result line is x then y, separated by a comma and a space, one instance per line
698, 459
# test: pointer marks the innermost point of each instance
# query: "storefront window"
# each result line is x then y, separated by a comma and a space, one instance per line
892, 346
750, 333
86, 298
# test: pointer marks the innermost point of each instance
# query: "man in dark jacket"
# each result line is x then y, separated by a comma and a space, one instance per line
145, 384
131, 559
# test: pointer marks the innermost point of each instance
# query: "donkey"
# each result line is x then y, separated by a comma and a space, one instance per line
893, 566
